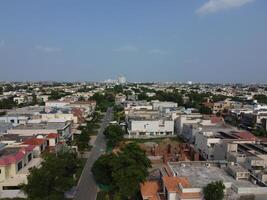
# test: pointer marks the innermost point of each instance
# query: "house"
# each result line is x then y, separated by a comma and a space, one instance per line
31, 129
220, 106
150, 128
14, 119
179, 188
195, 175
56, 104
149, 190
39, 143
120, 98
15, 163
158, 105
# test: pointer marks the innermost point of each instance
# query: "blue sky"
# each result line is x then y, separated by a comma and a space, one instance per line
145, 40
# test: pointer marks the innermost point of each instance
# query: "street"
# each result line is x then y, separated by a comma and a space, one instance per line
87, 188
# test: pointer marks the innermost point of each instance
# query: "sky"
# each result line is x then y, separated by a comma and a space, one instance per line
223, 41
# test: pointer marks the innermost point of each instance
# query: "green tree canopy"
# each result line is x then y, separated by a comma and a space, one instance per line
53, 178
205, 110
122, 172
102, 169
214, 190
114, 135
7, 103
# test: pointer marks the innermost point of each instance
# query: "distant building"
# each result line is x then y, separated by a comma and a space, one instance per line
121, 80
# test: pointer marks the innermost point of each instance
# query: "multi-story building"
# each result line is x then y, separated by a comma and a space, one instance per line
15, 164
31, 129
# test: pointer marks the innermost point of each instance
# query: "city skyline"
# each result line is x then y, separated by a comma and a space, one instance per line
177, 41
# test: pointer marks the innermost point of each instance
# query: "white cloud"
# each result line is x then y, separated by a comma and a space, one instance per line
127, 48
2, 43
212, 6
158, 51
47, 49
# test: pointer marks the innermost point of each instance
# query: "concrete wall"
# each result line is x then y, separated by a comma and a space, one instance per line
187, 119
67, 117
173, 196
250, 190
15, 120
205, 145
151, 127
163, 104
58, 104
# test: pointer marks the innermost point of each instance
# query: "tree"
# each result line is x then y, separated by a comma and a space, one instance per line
53, 178
81, 98
34, 99
82, 141
130, 170
214, 190
54, 95
102, 169
114, 135
205, 110
7, 103
122, 172
261, 98
103, 101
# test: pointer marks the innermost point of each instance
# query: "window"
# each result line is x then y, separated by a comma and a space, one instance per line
19, 165
29, 157
11, 188
12, 121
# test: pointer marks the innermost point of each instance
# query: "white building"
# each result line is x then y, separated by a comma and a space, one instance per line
186, 119
14, 119
150, 128
205, 142
31, 129
121, 80
158, 105
56, 104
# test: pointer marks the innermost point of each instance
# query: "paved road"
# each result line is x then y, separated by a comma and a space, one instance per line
87, 188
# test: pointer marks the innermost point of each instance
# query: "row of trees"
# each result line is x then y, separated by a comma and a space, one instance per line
122, 172
82, 141
261, 98
163, 96
119, 114
103, 100
57, 175
54, 95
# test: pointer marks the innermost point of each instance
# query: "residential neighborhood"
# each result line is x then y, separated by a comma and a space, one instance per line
133, 100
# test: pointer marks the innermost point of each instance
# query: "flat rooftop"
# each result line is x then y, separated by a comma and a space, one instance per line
9, 151
199, 175
49, 125
14, 137
29, 110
